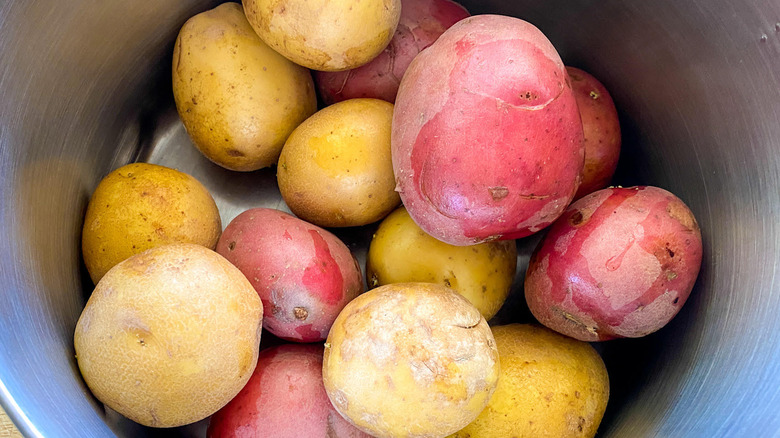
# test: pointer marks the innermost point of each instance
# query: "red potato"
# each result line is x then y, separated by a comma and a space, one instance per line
601, 127
619, 263
487, 141
284, 398
422, 21
304, 274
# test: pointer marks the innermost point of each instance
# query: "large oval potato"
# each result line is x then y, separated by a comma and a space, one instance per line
325, 34
238, 99
410, 360
402, 252
487, 141
141, 205
169, 335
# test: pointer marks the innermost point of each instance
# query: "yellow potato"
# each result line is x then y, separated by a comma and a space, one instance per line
141, 205
550, 386
325, 34
238, 99
335, 169
410, 360
170, 335
401, 251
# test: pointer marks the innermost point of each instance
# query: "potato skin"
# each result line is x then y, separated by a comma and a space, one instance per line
304, 274
619, 262
422, 21
601, 127
489, 105
169, 335
410, 360
335, 169
551, 386
284, 398
238, 99
402, 252
140, 206
325, 35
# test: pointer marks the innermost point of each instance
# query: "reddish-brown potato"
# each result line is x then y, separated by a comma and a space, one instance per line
422, 21
304, 274
619, 262
284, 398
487, 141
601, 127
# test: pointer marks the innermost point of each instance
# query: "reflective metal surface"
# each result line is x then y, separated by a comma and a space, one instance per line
85, 87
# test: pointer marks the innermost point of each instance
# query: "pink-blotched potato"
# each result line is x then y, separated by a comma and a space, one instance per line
487, 141
619, 263
601, 128
304, 274
284, 398
422, 21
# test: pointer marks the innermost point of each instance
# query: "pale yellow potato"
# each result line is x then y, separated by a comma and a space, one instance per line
170, 335
401, 251
141, 205
336, 170
410, 360
551, 386
238, 99
327, 35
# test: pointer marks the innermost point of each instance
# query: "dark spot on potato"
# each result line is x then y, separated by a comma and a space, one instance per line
676, 300
670, 252
234, 152
576, 218
301, 313
498, 193
194, 101
231, 246
576, 394
373, 281
594, 95
581, 424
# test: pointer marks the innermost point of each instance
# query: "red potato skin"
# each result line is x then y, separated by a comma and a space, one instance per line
487, 141
421, 23
620, 262
601, 127
304, 274
284, 398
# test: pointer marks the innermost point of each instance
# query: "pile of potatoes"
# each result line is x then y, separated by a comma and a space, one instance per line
450, 136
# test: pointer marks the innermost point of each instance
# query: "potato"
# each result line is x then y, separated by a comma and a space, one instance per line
238, 99
335, 169
410, 360
487, 141
601, 128
169, 335
141, 205
304, 274
619, 263
284, 398
550, 386
325, 34
422, 21
401, 252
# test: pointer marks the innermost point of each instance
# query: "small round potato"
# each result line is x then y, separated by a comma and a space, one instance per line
335, 169
141, 205
238, 99
325, 34
169, 335
410, 360
401, 251
551, 386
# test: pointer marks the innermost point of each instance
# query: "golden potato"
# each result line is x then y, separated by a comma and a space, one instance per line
325, 34
141, 205
335, 169
410, 360
238, 99
401, 251
170, 335
550, 386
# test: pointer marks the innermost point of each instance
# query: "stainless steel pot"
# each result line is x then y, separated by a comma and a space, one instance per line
85, 87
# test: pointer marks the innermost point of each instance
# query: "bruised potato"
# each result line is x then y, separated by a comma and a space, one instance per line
238, 99
169, 335
140, 206
410, 360
401, 252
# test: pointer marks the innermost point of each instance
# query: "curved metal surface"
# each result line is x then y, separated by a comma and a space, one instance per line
84, 88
